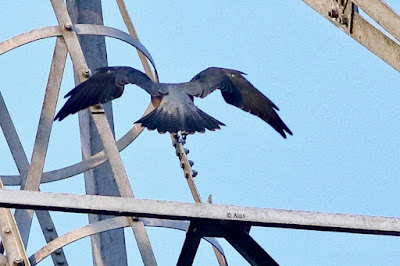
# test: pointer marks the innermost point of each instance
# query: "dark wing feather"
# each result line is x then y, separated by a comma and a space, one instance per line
239, 92
105, 85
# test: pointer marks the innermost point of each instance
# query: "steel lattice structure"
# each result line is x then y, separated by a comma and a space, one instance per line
199, 220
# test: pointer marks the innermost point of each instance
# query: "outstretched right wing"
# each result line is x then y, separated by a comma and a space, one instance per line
238, 91
105, 85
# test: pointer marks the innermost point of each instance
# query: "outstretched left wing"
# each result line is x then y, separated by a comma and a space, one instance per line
105, 85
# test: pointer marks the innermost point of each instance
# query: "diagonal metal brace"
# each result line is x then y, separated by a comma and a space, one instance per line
235, 233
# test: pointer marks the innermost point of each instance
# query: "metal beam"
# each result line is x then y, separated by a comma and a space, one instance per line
103, 129
22, 164
383, 14
361, 30
11, 238
190, 246
104, 225
319, 221
109, 246
240, 239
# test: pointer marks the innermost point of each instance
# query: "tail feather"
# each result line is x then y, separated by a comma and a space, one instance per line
211, 123
189, 121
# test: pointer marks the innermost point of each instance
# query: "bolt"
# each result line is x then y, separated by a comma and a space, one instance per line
49, 228
18, 261
333, 13
86, 73
209, 200
344, 21
194, 173
60, 262
68, 26
186, 150
7, 231
191, 162
58, 252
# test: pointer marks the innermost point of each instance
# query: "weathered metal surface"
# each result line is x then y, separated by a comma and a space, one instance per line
383, 14
363, 32
178, 142
81, 29
132, 32
190, 246
32, 182
319, 221
109, 224
50, 232
103, 129
11, 238
107, 247
22, 164
247, 246
12, 138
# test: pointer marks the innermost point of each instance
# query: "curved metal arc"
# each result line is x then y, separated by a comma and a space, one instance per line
99, 158
110, 224
83, 29
82, 166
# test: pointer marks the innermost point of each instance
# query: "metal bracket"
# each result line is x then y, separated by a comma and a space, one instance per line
235, 233
342, 13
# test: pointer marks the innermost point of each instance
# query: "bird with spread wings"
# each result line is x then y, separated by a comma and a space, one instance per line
175, 110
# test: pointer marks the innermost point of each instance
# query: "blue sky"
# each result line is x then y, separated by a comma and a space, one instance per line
339, 100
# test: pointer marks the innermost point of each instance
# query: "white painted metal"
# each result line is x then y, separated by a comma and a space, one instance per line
362, 31
318, 221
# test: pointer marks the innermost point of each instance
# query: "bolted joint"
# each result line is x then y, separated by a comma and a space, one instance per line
344, 21
182, 140
194, 173
333, 13
18, 261
86, 73
49, 228
68, 26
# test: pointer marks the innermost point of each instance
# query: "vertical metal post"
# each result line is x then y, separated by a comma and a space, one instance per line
108, 247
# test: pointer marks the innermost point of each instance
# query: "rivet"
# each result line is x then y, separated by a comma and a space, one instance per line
86, 73
68, 26
194, 173
58, 251
333, 13
7, 231
18, 261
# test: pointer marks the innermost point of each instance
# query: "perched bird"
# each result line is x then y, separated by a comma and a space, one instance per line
175, 110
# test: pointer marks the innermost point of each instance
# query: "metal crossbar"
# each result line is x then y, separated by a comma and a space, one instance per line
231, 222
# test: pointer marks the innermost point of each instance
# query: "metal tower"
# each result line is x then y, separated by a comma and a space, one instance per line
110, 201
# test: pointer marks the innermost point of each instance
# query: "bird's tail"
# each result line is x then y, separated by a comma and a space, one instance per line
187, 121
